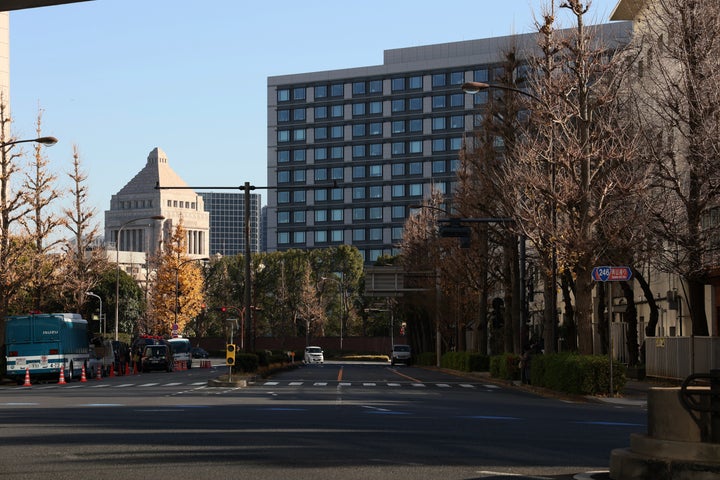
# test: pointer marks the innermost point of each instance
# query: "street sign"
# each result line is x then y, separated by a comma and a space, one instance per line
611, 274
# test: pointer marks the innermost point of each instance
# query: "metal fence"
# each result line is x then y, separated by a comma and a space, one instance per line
678, 357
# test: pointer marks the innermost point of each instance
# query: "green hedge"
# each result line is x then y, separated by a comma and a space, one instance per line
465, 361
576, 374
505, 366
425, 358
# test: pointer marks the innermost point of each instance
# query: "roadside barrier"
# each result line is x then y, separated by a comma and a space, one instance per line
62, 375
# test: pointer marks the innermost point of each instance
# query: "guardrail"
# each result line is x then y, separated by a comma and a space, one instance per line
693, 401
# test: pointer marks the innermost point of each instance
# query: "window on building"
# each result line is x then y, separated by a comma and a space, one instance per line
358, 88
337, 111
376, 128
299, 115
415, 104
375, 108
321, 133
299, 134
337, 173
283, 238
456, 143
415, 82
438, 101
299, 175
283, 95
337, 131
358, 193
299, 216
376, 86
398, 148
415, 168
299, 155
398, 212
336, 236
415, 190
337, 152
283, 176
283, 136
457, 121
358, 235
438, 80
358, 151
321, 216
321, 112
299, 93
358, 130
336, 194
299, 196
397, 84
358, 214
375, 213
283, 116
298, 237
396, 234
321, 174
337, 214
321, 91
457, 100
320, 236
438, 145
480, 75
438, 166
375, 234
321, 195
457, 78
398, 169
398, 105
415, 125
337, 90
438, 123
283, 196
398, 191
283, 156
375, 170
283, 217
358, 109
321, 153
376, 150
415, 146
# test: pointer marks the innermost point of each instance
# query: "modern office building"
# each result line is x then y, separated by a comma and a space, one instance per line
227, 222
130, 226
350, 151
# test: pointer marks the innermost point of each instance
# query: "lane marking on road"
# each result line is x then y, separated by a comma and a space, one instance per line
490, 417
418, 385
173, 384
506, 474
467, 385
123, 385
101, 405
149, 384
270, 384
491, 386
344, 384
296, 384
369, 384
320, 384
197, 384
382, 411
443, 385
610, 424
408, 377
394, 385
100, 386
19, 404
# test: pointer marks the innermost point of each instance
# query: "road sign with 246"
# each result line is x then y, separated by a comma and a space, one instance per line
611, 274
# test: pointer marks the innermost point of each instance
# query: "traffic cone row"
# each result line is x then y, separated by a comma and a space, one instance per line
62, 375
27, 378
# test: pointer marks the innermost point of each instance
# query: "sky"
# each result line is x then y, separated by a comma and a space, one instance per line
117, 78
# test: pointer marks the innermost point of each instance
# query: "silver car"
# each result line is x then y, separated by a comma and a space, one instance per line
401, 354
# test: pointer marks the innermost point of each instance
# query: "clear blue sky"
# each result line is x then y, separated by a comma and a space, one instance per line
118, 78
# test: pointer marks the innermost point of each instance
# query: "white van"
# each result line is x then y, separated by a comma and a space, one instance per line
181, 351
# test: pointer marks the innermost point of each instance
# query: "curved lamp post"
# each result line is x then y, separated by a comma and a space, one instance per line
47, 141
177, 284
117, 264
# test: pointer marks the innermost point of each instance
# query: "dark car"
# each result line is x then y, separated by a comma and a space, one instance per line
156, 357
198, 352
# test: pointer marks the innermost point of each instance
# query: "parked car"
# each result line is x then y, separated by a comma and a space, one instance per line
94, 363
313, 355
156, 357
198, 352
401, 354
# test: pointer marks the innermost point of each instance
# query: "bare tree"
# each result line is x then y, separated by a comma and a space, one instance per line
85, 259
41, 223
679, 107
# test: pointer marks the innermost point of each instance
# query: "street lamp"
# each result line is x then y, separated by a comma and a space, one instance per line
103, 329
117, 263
177, 285
342, 305
476, 87
47, 141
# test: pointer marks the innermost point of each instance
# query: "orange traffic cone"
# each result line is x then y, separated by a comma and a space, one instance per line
99, 374
62, 375
27, 378
135, 369
112, 370
127, 369
83, 378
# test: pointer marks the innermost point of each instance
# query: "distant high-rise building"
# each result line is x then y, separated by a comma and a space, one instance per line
227, 222
351, 151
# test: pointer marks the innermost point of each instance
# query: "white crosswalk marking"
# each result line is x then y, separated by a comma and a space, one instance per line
320, 384
393, 385
467, 385
344, 384
296, 384
270, 384
418, 385
369, 384
443, 385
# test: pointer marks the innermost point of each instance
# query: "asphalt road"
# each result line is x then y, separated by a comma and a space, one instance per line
331, 421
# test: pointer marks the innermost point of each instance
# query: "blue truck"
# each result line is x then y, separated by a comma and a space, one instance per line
42, 344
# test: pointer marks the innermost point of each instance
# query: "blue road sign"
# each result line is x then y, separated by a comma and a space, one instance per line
611, 274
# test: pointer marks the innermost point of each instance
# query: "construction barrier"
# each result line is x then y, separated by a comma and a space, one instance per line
205, 363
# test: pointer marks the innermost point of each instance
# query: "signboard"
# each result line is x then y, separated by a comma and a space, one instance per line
611, 274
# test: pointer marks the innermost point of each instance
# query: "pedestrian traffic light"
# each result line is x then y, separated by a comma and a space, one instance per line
230, 354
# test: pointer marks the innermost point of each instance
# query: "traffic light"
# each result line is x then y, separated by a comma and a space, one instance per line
230, 354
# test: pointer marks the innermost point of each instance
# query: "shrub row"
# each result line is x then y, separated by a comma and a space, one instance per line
576, 374
465, 361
